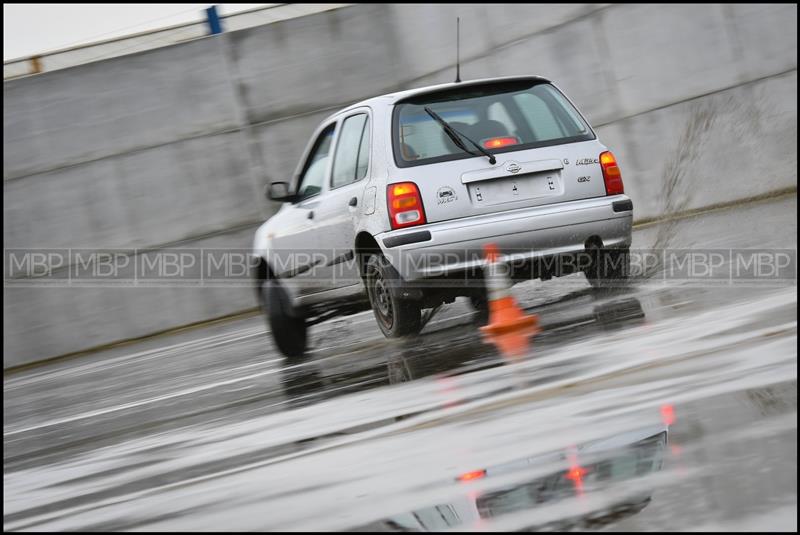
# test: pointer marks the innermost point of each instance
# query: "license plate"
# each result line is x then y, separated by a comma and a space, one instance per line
511, 189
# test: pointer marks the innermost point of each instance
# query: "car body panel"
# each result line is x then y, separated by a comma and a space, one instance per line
519, 235
544, 221
465, 178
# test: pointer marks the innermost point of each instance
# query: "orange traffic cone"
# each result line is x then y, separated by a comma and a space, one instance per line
509, 327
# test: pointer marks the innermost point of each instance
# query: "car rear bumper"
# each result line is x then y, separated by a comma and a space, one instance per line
441, 249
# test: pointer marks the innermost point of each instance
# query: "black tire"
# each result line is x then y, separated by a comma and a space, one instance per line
610, 268
396, 317
289, 331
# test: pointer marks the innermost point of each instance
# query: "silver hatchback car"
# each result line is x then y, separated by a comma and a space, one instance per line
395, 196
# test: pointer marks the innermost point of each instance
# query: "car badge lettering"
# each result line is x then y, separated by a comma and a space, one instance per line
445, 195
513, 168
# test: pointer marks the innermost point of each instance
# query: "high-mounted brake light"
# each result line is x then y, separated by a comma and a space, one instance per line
499, 142
668, 414
470, 476
612, 176
405, 205
576, 473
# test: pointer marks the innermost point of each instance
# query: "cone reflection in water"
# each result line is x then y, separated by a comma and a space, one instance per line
509, 327
514, 344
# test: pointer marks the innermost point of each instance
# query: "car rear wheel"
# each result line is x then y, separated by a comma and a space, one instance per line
610, 268
396, 317
288, 330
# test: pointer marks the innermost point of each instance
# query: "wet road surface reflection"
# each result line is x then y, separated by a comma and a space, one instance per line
214, 431
451, 351
442, 432
567, 478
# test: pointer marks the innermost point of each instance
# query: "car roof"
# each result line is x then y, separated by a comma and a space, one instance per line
390, 98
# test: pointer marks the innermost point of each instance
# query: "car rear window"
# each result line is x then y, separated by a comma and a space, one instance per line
501, 117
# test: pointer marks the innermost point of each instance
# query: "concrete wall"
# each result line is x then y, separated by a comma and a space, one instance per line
172, 146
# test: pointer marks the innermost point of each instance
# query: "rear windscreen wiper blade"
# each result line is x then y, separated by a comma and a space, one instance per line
455, 134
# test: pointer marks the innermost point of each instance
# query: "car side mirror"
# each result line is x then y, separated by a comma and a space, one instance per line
279, 191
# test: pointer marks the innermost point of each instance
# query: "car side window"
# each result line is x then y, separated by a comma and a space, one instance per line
351, 160
313, 176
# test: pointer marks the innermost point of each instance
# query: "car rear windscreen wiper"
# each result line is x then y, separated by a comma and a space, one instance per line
454, 134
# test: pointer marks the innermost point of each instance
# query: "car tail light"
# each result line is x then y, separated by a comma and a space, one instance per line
405, 205
611, 174
499, 142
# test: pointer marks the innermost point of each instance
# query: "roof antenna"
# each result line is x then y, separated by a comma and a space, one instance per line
458, 43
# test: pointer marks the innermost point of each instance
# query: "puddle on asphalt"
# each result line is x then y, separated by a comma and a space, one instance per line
449, 351
723, 457
572, 476
668, 425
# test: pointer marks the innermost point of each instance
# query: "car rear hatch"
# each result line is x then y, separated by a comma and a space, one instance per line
545, 151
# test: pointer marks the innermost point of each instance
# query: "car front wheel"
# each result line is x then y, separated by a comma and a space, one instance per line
288, 330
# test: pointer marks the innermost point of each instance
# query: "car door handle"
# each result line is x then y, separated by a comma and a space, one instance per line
311, 214
353, 201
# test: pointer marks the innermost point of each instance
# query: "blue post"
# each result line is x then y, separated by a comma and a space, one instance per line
214, 23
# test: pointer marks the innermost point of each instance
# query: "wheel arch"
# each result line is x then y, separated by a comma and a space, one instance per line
261, 272
365, 244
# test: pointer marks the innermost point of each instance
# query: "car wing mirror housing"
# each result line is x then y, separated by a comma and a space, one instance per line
279, 191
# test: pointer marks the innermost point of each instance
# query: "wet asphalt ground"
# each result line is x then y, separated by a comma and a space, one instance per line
669, 405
